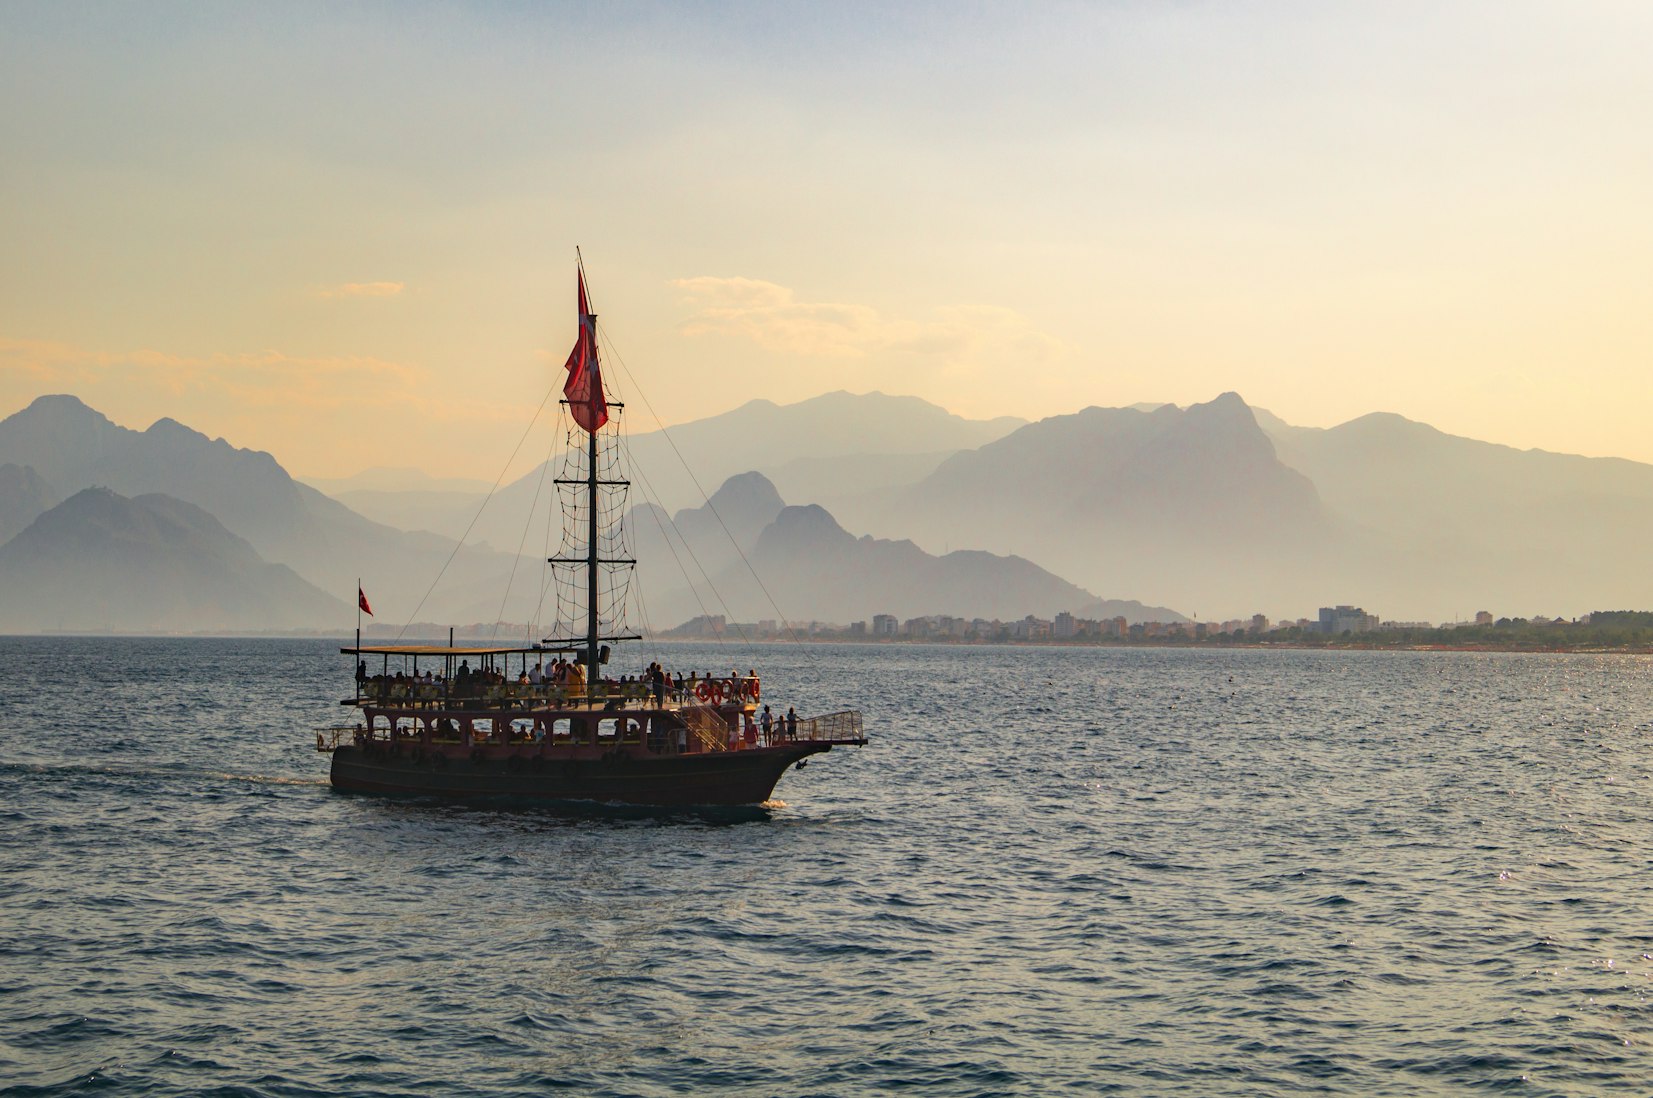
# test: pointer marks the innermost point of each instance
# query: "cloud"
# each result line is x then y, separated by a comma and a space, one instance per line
362, 289
249, 378
314, 413
771, 316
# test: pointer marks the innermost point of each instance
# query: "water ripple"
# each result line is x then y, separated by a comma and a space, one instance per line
1169, 872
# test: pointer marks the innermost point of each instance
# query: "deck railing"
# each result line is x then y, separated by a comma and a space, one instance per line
429, 695
845, 725
709, 730
329, 738
505, 697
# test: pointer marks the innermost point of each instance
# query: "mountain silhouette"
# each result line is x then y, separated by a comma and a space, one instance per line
74, 447
1186, 505
1456, 524
831, 446
99, 561
24, 496
814, 569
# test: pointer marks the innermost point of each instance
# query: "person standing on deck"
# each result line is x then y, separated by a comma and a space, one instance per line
791, 723
768, 723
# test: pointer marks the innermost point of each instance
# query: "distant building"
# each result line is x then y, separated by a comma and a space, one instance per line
884, 625
1483, 617
1346, 619
1063, 628
1031, 628
857, 628
705, 625
1259, 623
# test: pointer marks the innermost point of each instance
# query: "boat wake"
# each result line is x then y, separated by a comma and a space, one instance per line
76, 771
265, 779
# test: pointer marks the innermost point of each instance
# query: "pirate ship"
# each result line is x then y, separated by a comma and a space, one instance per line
545, 721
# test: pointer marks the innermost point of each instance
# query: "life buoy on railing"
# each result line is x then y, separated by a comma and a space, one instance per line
703, 690
751, 689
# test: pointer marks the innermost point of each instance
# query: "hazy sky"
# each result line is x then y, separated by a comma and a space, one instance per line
345, 233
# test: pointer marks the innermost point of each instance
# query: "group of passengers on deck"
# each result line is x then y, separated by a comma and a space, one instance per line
562, 680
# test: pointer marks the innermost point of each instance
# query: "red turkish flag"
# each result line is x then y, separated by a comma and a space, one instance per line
361, 601
584, 387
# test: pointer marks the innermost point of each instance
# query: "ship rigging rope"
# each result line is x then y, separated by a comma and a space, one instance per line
667, 529
614, 355
615, 579
545, 562
522, 542
642, 611
460, 544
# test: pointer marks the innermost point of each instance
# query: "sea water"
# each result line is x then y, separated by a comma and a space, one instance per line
1052, 870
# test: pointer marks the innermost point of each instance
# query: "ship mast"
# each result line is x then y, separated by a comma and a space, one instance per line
589, 407
591, 562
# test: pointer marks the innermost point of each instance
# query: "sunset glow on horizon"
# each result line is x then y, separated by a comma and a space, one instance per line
347, 236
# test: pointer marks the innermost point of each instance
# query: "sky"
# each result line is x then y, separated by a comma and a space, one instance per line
346, 233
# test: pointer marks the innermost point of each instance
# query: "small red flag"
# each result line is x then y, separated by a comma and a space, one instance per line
584, 387
361, 601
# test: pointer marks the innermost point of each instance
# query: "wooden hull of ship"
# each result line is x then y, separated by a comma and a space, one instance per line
724, 778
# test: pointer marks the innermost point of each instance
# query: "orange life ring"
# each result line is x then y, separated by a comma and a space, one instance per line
752, 689
717, 690
703, 690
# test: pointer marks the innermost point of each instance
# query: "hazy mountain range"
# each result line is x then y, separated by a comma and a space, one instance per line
811, 568
61, 447
896, 506
166, 529
100, 561
833, 447
1217, 508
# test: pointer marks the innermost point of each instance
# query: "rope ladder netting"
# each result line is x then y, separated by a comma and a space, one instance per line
567, 572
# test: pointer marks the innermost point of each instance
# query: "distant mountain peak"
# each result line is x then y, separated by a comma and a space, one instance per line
747, 490
1226, 406
60, 411
60, 401
756, 403
168, 429
100, 560
1386, 421
808, 517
